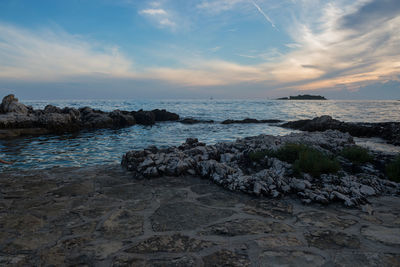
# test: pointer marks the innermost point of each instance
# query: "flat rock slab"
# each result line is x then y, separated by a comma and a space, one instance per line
101, 216
185, 216
390, 236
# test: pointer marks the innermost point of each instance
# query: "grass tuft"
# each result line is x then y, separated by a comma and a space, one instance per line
304, 159
315, 163
393, 170
356, 154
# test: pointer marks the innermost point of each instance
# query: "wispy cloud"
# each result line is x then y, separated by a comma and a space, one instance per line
153, 12
53, 54
159, 15
218, 6
331, 46
326, 54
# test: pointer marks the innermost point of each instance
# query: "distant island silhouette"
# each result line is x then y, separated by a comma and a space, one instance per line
303, 97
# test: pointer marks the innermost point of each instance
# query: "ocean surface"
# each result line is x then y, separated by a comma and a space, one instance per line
108, 146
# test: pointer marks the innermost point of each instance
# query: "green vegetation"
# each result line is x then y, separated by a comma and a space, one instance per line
315, 163
289, 152
393, 170
258, 155
304, 159
356, 154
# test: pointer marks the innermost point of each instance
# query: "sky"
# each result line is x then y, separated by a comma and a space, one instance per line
138, 49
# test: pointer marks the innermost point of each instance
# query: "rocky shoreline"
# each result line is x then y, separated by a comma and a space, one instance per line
17, 119
389, 131
230, 166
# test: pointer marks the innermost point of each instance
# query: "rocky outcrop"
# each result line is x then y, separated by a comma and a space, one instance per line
229, 165
17, 119
389, 131
11, 104
194, 121
248, 120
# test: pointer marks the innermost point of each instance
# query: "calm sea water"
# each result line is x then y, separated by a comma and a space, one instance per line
108, 146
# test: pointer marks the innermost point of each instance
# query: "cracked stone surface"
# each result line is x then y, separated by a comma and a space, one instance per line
102, 216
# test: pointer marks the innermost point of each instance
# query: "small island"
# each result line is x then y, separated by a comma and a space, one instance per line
303, 97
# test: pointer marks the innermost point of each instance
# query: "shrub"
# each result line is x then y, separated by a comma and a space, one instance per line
306, 159
289, 152
357, 154
393, 170
258, 155
315, 163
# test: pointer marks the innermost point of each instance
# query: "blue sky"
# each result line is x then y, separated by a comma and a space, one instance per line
200, 48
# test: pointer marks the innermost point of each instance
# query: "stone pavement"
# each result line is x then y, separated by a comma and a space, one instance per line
101, 216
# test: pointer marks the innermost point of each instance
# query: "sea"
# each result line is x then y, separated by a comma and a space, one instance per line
106, 146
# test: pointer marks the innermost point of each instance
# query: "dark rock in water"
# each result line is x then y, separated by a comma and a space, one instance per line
52, 109
194, 121
163, 115
122, 120
389, 131
303, 97
145, 117
16, 119
248, 120
10, 104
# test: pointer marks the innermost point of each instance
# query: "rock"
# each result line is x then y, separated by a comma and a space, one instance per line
229, 165
51, 109
324, 220
290, 258
278, 241
121, 120
176, 244
11, 104
367, 190
327, 239
185, 216
386, 130
122, 224
194, 121
386, 235
145, 117
238, 227
16, 119
247, 120
226, 258
163, 115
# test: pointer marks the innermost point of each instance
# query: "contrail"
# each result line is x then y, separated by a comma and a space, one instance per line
263, 13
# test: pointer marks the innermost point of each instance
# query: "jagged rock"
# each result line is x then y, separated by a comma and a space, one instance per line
51, 109
227, 164
10, 104
163, 115
145, 117
386, 130
17, 119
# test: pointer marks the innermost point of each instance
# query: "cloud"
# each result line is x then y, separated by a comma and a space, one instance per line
371, 14
331, 47
153, 12
324, 53
51, 55
159, 15
218, 6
